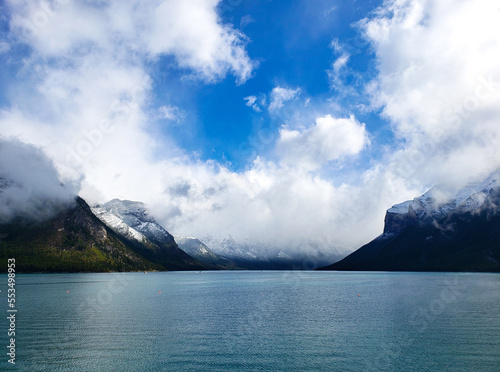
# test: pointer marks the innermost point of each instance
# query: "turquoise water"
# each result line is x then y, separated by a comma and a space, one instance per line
255, 321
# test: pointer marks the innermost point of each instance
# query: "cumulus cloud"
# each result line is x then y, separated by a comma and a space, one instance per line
280, 95
198, 40
30, 186
190, 31
329, 139
438, 83
278, 207
92, 104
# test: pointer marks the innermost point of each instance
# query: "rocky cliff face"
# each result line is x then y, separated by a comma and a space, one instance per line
394, 223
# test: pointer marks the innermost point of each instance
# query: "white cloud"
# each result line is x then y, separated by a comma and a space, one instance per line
275, 100
285, 208
340, 71
198, 40
433, 57
329, 139
171, 113
190, 31
331, 10
89, 109
340, 62
29, 183
251, 101
337, 72
336, 45
281, 95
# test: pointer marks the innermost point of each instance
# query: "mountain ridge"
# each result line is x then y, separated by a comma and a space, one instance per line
133, 219
460, 234
72, 241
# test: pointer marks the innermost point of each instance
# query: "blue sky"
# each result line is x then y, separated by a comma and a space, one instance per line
285, 127
291, 41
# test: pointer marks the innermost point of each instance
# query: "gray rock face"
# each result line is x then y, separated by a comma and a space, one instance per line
394, 223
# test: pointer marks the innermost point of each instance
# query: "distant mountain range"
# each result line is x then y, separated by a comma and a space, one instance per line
197, 249
428, 233
250, 255
133, 220
432, 234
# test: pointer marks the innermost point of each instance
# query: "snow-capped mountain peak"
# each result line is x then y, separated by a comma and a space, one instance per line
136, 216
438, 201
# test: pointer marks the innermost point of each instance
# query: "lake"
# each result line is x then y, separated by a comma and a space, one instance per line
255, 321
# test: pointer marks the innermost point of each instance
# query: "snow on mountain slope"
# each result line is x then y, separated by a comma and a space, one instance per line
228, 247
133, 220
249, 253
197, 249
117, 225
194, 247
136, 216
436, 202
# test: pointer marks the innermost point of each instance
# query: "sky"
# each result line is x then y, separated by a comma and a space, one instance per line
290, 125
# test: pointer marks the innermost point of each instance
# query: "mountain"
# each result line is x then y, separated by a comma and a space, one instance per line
72, 240
132, 221
47, 228
197, 249
434, 233
136, 216
249, 254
